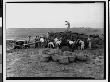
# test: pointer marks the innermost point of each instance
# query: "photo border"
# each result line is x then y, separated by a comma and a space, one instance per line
108, 42
1, 15
62, 78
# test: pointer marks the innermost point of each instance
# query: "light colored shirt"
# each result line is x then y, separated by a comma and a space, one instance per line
82, 42
71, 42
56, 39
89, 39
41, 39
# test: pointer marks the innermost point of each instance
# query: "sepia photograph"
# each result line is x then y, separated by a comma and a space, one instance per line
55, 40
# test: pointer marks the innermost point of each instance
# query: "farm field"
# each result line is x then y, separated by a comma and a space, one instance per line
28, 62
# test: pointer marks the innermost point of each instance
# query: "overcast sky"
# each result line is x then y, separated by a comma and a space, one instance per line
48, 15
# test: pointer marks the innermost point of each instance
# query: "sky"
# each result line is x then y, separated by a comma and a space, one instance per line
49, 15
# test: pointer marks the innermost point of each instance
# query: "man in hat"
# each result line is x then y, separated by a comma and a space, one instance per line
68, 25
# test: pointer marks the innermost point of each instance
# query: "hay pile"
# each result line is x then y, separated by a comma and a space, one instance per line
65, 57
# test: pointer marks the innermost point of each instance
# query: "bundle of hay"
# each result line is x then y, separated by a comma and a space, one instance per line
65, 48
67, 53
48, 51
44, 58
51, 54
57, 51
55, 57
72, 57
63, 60
82, 56
67, 57
45, 51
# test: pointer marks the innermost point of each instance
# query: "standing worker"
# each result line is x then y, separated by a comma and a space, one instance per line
89, 40
47, 35
68, 25
82, 44
36, 41
29, 39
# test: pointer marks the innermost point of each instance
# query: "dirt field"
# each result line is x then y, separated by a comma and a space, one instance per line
26, 63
